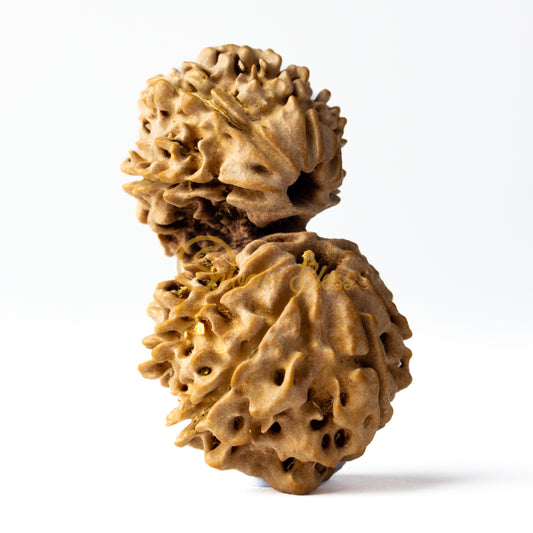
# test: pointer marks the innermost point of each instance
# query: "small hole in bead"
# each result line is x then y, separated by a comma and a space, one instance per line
317, 424
214, 443
342, 398
164, 113
204, 371
274, 428
238, 423
320, 468
288, 464
340, 439
184, 388
188, 351
384, 339
147, 127
236, 68
325, 441
303, 188
279, 377
234, 449
171, 285
400, 364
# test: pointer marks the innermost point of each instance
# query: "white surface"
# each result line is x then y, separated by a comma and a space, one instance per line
438, 194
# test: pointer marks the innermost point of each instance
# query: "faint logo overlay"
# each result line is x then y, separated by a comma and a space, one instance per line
209, 247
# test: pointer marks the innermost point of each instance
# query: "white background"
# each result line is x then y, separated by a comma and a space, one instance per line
438, 96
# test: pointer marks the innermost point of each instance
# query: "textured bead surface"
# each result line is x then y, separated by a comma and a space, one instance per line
234, 146
285, 357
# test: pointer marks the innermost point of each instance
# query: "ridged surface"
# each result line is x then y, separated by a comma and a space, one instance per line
235, 147
285, 357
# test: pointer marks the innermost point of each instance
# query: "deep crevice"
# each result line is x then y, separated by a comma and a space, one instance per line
288, 464
342, 398
279, 377
214, 443
318, 424
274, 429
320, 468
303, 190
238, 423
340, 439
